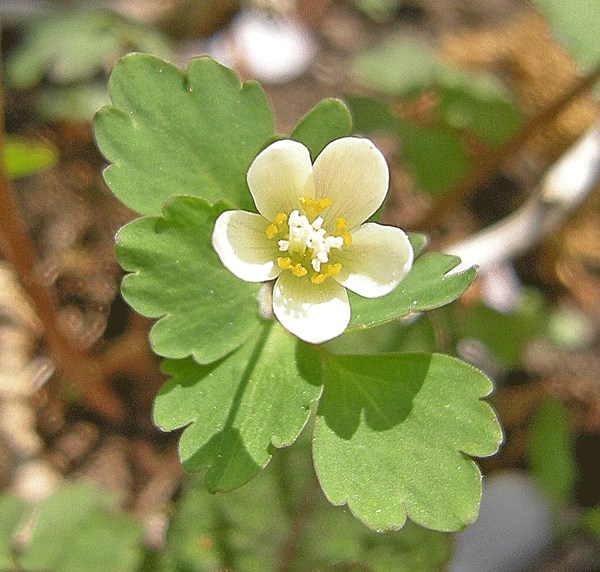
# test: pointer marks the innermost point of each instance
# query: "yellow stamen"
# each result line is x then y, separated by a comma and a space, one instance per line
298, 270
280, 219
314, 208
340, 230
277, 226
328, 270
285, 263
333, 269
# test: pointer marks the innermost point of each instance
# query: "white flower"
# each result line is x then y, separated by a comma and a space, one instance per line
309, 234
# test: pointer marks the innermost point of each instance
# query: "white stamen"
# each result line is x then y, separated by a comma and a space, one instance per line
303, 235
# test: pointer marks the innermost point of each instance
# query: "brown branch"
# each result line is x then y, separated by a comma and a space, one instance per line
82, 369
492, 161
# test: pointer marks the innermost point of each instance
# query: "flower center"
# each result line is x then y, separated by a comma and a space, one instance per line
306, 243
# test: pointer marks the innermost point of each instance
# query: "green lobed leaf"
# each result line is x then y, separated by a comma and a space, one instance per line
328, 120
392, 436
12, 510
427, 286
235, 410
332, 539
551, 452
170, 132
204, 310
75, 529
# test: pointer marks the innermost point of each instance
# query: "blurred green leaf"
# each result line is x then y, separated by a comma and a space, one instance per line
576, 24
371, 115
77, 528
418, 242
435, 156
591, 521
74, 46
400, 65
204, 310
505, 334
551, 452
392, 436
12, 510
237, 409
492, 119
281, 517
379, 10
174, 133
465, 102
23, 158
73, 102
330, 119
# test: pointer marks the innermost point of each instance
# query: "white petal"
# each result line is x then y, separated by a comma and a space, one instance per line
279, 176
240, 241
352, 173
314, 313
376, 261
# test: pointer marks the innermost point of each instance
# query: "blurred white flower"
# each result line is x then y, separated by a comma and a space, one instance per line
310, 234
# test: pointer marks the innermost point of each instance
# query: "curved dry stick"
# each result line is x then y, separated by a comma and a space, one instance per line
83, 370
494, 160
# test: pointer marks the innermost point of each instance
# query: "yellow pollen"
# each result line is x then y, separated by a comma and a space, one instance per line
314, 208
340, 230
277, 226
333, 269
280, 219
285, 263
298, 270
329, 270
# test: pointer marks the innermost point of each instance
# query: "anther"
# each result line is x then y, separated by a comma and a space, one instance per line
298, 270
333, 269
314, 208
340, 230
277, 226
327, 271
